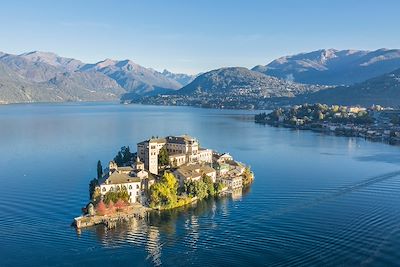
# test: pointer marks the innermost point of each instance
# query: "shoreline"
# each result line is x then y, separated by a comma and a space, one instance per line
135, 211
342, 130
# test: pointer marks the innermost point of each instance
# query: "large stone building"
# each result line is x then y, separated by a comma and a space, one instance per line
181, 150
132, 178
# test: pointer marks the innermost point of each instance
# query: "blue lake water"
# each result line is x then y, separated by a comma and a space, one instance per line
317, 199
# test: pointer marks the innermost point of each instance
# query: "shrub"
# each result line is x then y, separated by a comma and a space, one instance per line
101, 208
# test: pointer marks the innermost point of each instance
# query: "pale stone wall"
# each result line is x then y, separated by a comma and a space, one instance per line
132, 188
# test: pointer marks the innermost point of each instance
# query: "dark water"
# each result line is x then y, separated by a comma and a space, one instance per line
317, 200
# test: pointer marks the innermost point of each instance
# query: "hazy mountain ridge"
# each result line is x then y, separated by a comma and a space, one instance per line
14, 88
383, 90
42, 76
181, 78
333, 67
45, 76
242, 81
133, 77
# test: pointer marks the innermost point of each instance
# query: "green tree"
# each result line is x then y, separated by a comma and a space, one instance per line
127, 155
114, 196
124, 156
163, 157
210, 185
218, 187
99, 170
92, 186
119, 159
163, 194
247, 176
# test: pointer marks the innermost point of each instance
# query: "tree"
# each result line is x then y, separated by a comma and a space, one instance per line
127, 155
163, 157
218, 187
101, 208
163, 194
247, 176
114, 196
170, 180
92, 186
96, 194
123, 156
119, 205
99, 170
110, 206
119, 159
196, 189
210, 185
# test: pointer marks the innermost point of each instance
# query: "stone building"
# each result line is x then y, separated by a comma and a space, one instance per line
194, 172
181, 150
119, 181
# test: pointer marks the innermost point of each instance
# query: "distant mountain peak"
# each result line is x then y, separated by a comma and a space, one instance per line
105, 63
332, 66
52, 59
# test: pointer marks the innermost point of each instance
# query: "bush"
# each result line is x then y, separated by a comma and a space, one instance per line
101, 208
115, 196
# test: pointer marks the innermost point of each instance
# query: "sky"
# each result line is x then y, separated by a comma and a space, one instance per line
191, 36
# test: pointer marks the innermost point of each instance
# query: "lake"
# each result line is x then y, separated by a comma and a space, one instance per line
316, 200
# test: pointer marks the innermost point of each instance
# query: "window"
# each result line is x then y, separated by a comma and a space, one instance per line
137, 186
104, 189
130, 187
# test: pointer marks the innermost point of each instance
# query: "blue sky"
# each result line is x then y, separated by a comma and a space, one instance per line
193, 36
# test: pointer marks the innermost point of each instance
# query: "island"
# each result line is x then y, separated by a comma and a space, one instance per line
375, 123
164, 173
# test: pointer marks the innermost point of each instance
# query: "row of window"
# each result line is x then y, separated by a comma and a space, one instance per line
123, 187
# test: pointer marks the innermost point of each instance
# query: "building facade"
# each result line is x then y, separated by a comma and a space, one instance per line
121, 181
181, 150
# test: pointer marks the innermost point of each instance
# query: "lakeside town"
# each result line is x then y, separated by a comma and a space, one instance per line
375, 123
246, 101
164, 173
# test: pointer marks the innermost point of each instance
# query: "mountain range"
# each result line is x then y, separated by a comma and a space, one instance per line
333, 67
347, 76
46, 77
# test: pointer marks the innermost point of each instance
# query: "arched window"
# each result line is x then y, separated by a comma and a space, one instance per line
104, 189
130, 186
137, 186
118, 187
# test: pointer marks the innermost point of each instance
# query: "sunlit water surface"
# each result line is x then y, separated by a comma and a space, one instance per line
316, 200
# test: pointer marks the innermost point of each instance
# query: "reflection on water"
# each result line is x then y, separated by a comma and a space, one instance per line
146, 232
317, 200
